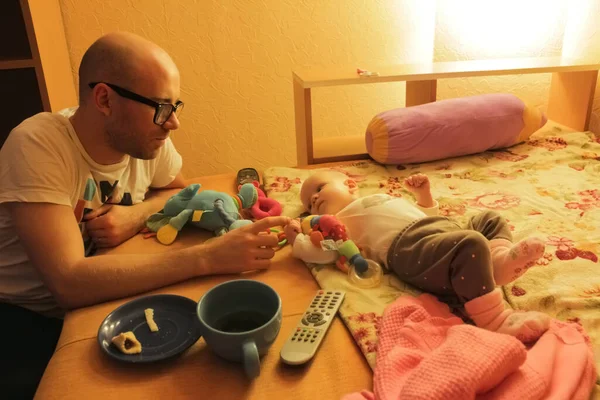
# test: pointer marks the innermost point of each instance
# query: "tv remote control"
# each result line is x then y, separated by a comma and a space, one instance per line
304, 341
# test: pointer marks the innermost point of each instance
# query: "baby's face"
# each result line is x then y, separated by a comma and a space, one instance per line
327, 192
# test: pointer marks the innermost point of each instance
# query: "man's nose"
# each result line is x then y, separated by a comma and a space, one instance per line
172, 123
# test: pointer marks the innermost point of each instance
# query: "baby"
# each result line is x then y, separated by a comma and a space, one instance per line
431, 252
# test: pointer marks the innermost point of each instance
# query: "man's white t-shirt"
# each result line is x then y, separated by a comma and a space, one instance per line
43, 161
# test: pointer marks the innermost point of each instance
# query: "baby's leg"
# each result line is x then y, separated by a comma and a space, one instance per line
439, 257
488, 310
509, 259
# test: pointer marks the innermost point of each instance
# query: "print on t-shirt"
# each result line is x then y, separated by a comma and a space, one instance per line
109, 193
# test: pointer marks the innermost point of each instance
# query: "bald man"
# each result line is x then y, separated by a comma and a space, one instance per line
96, 172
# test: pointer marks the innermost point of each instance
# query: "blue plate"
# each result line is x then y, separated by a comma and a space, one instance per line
178, 327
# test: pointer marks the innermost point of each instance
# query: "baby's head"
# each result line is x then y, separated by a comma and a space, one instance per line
327, 192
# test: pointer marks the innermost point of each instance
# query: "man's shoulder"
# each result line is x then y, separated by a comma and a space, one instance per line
44, 128
42, 122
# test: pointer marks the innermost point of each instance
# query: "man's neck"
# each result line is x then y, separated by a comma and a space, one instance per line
93, 138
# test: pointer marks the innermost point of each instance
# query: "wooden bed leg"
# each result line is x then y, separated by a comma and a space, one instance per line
420, 92
304, 132
571, 98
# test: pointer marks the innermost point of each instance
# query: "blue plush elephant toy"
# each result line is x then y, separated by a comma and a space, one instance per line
215, 211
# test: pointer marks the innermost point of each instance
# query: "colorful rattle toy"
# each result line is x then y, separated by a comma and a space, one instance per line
328, 236
328, 232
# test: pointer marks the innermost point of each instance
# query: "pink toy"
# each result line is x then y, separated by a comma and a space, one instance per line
265, 206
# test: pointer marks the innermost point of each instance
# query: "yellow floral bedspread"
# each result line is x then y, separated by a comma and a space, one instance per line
548, 186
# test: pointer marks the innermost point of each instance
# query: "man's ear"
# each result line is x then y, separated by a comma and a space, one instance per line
101, 99
352, 185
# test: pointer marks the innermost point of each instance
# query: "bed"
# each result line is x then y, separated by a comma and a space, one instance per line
547, 186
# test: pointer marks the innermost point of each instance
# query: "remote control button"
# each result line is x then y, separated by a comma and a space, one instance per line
320, 323
320, 292
304, 321
297, 329
328, 292
338, 293
312, 340
315, 317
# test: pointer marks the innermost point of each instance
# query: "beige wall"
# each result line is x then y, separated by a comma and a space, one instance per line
236, 58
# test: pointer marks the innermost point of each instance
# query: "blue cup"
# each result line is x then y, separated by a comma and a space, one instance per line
240, 320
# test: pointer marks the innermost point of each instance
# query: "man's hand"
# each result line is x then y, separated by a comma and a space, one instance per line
419, 185
243, 249
111, 224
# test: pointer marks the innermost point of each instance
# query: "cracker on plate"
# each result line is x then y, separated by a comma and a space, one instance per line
127, 343
150, 319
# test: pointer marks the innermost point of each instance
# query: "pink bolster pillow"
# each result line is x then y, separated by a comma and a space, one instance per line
451, 128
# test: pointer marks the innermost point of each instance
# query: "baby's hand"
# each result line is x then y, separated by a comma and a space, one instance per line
418, 183
292, 230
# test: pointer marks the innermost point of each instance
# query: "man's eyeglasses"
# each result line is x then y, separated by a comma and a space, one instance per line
162, 111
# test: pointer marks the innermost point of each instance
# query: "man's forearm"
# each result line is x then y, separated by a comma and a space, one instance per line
154, 202
108, 277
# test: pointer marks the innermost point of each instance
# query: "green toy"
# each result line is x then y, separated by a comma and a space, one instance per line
215, 211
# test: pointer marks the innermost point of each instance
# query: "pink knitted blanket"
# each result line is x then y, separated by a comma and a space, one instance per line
425, 352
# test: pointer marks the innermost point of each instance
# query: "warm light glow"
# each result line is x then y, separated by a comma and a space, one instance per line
483, 29
416, 37
581, 26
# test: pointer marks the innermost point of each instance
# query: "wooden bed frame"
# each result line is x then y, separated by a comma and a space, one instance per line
570, 98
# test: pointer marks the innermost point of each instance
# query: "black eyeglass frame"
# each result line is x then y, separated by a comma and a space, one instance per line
128, 94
